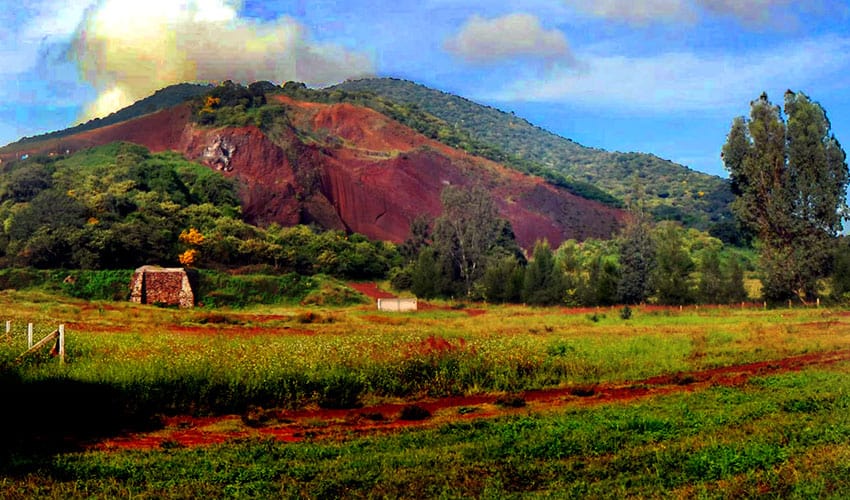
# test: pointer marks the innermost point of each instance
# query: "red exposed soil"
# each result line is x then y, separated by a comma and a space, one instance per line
371, 290
93, 328
350, 168
314, 423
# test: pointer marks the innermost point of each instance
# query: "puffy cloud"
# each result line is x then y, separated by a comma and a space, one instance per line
637, 12
127, 50
483, 40
648, 11
686, 81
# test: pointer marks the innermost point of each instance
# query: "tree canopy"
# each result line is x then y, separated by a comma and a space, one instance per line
789, 176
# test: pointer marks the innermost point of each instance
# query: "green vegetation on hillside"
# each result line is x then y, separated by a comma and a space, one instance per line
234, 105
673, 192
119, 206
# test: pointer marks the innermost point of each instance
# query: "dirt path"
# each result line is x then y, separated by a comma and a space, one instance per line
314, 423
370, 290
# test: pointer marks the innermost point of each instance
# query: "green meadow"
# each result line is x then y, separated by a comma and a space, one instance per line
780, 432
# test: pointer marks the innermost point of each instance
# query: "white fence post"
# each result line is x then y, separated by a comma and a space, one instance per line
8, 328
29, 335
62, 344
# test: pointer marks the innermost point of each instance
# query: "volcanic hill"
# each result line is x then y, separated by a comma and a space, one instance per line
341, 166
671, 191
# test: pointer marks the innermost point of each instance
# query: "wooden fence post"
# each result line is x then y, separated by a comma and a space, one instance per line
62, 344
29, 335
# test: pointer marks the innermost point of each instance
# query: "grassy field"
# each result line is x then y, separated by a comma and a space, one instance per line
515, 401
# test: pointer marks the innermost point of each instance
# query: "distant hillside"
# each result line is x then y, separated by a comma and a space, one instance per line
438, 129
672, 190
161, 99
337, 164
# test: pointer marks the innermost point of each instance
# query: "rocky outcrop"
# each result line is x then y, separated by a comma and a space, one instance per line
219, 153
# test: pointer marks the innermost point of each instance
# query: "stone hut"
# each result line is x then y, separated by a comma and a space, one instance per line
162, 285
397, 305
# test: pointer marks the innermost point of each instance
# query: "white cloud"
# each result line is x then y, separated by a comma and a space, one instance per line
127, 52
686, 81
483, 40
638, 12
753, 12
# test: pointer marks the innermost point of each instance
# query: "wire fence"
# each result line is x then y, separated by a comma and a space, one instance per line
28, 338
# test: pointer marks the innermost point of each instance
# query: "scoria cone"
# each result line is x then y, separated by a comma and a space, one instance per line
348, 167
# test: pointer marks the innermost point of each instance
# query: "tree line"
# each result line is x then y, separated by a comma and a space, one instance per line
789, 176
469, 252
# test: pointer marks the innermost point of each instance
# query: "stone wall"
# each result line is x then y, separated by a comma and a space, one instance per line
160, 285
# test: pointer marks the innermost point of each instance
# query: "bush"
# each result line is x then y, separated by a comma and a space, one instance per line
21, 278
220, 289
332, 294
88, 285
401, 278
341, 389
99, 285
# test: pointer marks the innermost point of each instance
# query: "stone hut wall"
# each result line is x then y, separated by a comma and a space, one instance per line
157, 285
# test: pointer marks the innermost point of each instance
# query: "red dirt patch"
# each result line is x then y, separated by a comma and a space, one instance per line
93, 328
314, 423
370, 290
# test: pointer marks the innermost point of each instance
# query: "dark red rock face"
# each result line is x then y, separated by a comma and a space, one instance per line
359, 171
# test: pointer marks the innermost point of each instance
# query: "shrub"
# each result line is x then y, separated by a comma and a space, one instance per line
221, 289
99, 285
20, 278
341, 389
332, 294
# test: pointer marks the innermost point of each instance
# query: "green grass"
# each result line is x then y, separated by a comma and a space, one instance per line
723, 442
781, 435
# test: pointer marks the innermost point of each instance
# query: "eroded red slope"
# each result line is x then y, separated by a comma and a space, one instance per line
349, 167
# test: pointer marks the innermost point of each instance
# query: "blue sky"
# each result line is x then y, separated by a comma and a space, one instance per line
658, 76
